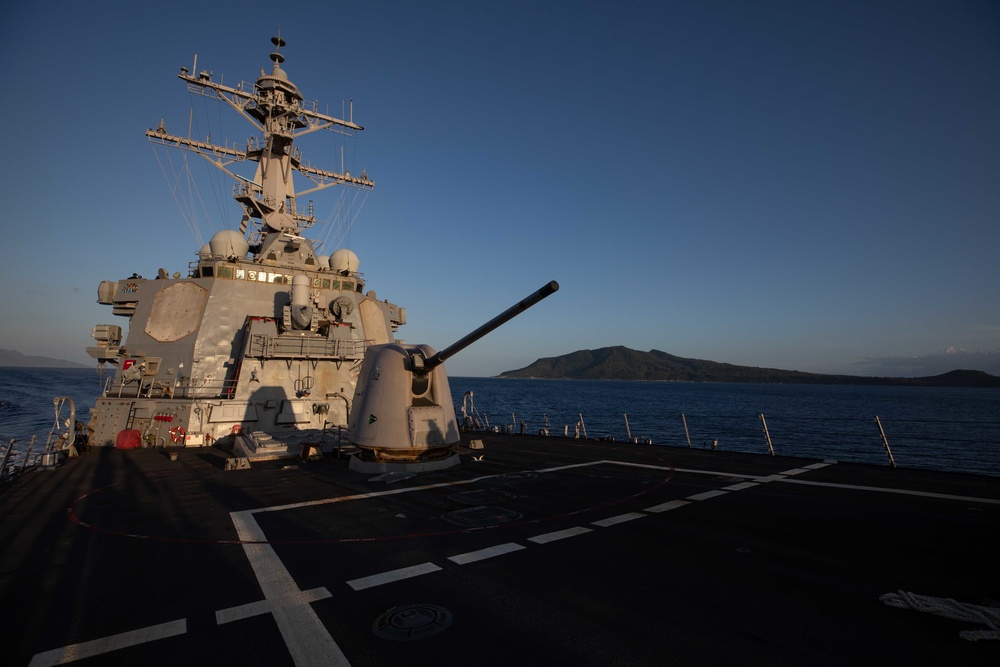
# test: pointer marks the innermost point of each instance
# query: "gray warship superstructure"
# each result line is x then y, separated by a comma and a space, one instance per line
264, 334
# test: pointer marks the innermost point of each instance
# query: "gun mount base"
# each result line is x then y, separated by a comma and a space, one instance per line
365, 464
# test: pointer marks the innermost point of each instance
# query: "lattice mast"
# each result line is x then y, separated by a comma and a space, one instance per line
275, 107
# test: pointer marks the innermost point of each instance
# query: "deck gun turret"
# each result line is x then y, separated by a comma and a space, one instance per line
402, 411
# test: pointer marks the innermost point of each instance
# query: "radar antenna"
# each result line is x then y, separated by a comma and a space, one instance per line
276, 108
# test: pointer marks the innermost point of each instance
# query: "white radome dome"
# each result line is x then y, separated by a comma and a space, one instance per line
229, 243
344, 260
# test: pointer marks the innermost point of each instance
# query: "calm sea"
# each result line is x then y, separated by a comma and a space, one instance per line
933, 428
26, 407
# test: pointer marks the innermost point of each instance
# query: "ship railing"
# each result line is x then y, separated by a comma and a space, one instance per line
19, 460
6, 458
262, 346
310, 107
930, 443
253, 191
224, 389
234, 153
936, 444
265, 346
16, 461
182, 388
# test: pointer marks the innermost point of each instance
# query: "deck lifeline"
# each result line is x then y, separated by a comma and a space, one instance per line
634, 554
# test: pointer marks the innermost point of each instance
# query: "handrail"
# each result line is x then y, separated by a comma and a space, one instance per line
925, 442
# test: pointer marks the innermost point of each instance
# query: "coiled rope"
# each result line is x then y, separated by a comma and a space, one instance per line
949, 608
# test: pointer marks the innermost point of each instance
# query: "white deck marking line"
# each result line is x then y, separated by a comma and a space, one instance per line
392, 575
714, 473
664, 507
545, 538
817, 466
741, 486
614, 520
902, 492
259, 607
306, 637
411, 489
73, 652
707, 495
483, 554
650, 466
473, 480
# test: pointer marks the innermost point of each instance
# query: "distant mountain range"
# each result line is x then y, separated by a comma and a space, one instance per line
15, 358
622, 363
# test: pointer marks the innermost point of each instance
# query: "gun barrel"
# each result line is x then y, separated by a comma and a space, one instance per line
496, 322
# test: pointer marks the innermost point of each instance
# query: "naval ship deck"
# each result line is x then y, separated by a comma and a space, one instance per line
543, 549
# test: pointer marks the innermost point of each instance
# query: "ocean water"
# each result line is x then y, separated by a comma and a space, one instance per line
26, 407
956, 429
933, 428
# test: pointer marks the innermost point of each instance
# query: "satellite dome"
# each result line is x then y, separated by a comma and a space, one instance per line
205, 252
344, 261
323, 261
229, 243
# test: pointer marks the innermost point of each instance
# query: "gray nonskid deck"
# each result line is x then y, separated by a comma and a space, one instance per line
604, 554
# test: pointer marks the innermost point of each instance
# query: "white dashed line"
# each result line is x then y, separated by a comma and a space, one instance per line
107, 644
392, 575
483, 554
741, 487
545, 538
614, 520
707, 495
664, 507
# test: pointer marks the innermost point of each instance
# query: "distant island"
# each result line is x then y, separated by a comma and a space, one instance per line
622, 363
16, 359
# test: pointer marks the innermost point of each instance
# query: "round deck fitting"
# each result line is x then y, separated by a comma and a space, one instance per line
411, 622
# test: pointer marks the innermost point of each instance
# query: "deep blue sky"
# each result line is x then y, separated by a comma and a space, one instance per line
799, 185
